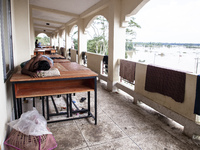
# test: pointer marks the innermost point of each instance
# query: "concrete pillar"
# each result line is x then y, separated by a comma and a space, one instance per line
57, 39
82, 40
116, 48
54, 40
32, 34
50, 40
60, 41
67, 41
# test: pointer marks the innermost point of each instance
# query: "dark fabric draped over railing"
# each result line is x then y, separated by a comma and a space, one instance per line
127, 70
166, 81
197, 99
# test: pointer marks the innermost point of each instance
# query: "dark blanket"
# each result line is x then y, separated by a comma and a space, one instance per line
166, 81
197, 99
127, 70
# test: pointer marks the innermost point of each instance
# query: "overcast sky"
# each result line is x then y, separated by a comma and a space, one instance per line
169, 21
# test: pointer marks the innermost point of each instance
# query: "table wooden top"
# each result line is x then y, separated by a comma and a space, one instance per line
67, 71
43, 49
55, 56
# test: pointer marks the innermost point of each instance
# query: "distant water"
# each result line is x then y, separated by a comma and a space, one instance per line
176, 57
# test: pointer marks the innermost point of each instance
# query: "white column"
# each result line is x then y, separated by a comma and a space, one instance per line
50, 40
67, 41
59, 42
32, 33
82, 40
116, 48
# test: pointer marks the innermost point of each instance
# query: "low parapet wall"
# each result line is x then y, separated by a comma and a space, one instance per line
74, 57
94, 62
186, 108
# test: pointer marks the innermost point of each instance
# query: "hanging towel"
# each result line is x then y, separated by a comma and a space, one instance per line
127, 70
197, 99
166, 81
49, 73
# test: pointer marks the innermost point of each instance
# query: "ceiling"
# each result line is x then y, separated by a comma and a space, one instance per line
57, 12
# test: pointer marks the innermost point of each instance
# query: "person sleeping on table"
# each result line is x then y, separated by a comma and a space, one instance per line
37, 63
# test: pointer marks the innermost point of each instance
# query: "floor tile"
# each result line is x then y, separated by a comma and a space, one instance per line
68, 137
100, 133
119, 144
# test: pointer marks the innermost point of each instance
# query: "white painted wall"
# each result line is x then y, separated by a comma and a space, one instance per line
21, 31
5, 107
21, 52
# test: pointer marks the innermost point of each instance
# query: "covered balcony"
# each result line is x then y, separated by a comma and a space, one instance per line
130, 115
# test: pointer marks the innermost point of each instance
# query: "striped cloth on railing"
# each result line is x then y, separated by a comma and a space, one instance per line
166, 81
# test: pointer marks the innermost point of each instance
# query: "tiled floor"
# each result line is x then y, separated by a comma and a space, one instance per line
121, 125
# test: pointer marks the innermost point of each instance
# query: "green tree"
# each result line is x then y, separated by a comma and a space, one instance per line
130, 33
129, 44
75, 41
44, 40
74, 37
99, 36
97, 45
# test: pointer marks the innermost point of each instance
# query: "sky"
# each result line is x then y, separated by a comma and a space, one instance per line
176, 21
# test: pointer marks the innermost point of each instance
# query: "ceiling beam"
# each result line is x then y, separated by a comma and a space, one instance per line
44, 29
49, 21
54, 11
45, 26
49, 32
72, 21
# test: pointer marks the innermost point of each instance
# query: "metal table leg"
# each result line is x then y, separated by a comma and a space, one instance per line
67, 104
43, 110
95, 99
70, 104
47, 103
14, 101
88, 103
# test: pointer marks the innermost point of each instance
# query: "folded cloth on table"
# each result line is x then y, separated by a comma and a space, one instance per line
166, 81
127, 70
49, 73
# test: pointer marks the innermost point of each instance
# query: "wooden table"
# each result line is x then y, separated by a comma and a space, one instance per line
57, 58
44, 51
74, 78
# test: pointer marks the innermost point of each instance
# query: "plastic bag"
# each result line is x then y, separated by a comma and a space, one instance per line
31, 123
